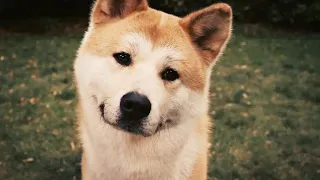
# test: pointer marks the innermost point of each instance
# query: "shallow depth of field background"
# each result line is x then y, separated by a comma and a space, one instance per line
265, 90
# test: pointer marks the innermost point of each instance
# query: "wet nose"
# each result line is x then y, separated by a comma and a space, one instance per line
135, 106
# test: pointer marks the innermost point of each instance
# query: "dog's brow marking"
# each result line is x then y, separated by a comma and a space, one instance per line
168, 53
137, 43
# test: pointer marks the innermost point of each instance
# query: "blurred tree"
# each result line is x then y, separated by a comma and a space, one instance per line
280, 12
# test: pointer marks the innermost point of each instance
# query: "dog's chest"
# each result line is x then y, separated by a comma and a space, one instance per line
115, 160
131, 171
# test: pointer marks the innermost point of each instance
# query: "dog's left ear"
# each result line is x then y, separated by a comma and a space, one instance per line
209, 30
107, 10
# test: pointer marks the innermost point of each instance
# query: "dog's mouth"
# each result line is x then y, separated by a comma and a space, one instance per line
134, 128
101, 108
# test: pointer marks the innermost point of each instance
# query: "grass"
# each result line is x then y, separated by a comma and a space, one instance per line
265, 104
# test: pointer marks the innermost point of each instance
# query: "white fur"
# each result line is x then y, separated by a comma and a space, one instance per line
113, 154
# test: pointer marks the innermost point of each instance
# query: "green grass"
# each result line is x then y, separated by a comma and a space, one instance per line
265, 102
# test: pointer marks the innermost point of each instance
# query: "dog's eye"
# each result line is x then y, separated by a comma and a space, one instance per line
169, 74
123, 58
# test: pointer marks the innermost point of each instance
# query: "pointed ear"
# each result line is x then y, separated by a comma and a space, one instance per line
209, 30
106, 10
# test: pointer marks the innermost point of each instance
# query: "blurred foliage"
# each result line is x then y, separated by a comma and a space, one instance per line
285, 12
293, 13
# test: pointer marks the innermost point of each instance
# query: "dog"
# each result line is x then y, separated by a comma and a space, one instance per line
142, 78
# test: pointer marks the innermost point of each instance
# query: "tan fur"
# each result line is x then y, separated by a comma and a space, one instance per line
155, 40
84, 173
200, 168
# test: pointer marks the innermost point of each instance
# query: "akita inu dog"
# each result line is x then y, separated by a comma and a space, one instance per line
143, 80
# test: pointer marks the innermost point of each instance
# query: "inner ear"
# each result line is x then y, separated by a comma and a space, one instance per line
106, 10
209, 30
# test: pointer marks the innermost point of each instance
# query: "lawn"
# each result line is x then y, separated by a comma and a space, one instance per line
265, 104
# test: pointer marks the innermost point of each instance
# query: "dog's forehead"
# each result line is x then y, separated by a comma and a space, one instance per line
140, 32
138, 44
157, 32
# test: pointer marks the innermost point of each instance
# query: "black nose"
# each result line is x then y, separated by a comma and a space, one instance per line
135, 106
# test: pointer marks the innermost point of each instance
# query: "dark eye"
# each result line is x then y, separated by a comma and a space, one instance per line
169, 74
123, 58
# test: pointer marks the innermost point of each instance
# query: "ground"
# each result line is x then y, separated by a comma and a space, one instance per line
265, 105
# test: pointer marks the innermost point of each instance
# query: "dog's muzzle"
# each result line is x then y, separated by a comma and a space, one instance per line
134, 110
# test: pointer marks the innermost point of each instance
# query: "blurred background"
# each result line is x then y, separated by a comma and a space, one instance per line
265, 89
49, 13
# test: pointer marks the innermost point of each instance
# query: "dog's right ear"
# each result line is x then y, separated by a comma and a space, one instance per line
107, 10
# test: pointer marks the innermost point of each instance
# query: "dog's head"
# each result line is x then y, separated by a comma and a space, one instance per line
146, 70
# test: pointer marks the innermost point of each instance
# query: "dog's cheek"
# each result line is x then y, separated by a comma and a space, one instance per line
104, 77
196, 105
187, 104
84, 74
175, 104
